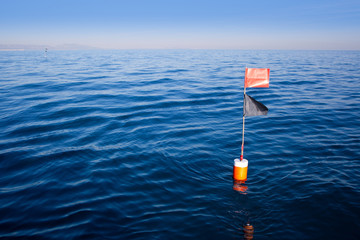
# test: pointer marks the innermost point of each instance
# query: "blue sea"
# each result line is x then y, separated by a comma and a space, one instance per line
139, 144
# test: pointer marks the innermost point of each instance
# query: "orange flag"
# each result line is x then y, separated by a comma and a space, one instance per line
257, 77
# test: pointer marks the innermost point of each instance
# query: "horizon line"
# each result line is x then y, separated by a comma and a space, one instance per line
76, 47
140, 49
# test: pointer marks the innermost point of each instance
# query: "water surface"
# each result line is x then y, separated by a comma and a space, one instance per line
140, 145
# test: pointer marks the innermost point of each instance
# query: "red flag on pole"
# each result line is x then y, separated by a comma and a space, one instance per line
257, 77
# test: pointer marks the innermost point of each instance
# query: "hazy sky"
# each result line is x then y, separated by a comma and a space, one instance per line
208, 24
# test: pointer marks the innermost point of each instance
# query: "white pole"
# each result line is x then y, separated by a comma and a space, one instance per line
243, 128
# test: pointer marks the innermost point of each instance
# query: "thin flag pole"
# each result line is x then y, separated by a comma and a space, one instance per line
243, 128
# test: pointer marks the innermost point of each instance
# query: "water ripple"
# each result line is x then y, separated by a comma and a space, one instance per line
140, 144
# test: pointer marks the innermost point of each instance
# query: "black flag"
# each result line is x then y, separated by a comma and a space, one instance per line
253, 107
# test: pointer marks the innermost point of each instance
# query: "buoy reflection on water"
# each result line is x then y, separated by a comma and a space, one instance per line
239, 185
248, 229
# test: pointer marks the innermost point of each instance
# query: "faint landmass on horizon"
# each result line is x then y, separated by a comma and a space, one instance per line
23, 47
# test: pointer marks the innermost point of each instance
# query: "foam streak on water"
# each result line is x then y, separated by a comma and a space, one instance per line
140, 145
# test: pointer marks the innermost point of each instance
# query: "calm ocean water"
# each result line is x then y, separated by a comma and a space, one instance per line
140, 145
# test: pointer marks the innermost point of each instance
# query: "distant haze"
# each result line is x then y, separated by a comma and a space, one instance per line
180, 24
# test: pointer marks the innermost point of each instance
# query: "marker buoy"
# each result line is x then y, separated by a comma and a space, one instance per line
248, 230
240, 169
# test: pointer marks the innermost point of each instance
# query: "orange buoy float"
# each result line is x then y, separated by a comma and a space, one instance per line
240, 169
248, 230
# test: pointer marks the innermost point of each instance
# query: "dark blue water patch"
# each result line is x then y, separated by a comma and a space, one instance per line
143, 72
140, 144
48, 127
96, 77
176, 70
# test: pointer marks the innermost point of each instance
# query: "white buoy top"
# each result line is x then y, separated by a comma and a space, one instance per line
238, 163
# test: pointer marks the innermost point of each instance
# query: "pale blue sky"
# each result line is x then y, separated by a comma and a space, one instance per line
221, 24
